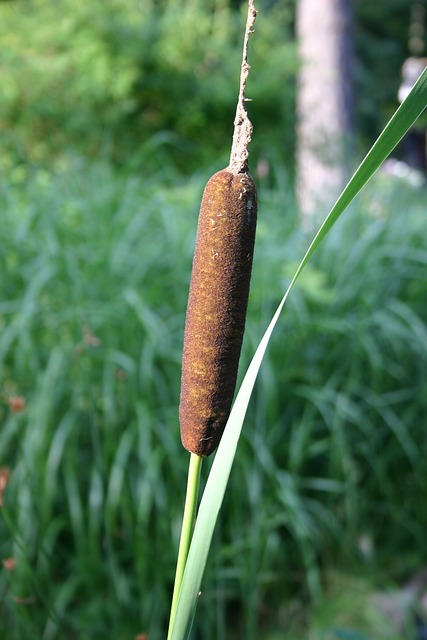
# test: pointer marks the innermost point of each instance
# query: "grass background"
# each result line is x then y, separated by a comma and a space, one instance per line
327, 499
112, 117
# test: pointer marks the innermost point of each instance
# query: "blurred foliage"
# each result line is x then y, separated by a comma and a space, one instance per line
381, 46
114, 79
103, 77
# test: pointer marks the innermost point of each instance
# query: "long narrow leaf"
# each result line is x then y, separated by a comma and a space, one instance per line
216, 485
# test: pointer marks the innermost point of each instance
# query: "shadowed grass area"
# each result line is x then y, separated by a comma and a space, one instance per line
330, 470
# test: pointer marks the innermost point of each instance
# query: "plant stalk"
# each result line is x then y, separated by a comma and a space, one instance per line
188, 519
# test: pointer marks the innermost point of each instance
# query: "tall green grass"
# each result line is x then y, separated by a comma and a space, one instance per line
95, 267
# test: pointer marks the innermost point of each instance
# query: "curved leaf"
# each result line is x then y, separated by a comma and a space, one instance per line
216, 485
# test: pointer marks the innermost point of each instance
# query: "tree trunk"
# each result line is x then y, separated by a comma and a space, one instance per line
324, 102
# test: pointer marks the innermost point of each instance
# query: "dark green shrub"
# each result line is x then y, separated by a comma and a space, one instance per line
103, 78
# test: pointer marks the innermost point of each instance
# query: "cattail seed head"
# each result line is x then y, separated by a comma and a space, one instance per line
216, 308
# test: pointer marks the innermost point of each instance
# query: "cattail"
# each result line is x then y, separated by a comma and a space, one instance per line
219, 289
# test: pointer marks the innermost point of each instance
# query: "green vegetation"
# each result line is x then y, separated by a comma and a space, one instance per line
103, 77
110, 124
118, 79
330, 471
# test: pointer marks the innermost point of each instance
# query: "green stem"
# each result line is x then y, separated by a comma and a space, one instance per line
190, 507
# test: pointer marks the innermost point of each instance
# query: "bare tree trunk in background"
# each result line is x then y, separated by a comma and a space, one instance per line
324, 101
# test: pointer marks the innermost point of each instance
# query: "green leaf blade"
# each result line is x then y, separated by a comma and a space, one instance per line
400, 123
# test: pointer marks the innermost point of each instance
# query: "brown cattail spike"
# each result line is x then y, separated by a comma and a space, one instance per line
216, 309
219, 287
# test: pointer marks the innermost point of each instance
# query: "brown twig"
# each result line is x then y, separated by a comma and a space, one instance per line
242, 125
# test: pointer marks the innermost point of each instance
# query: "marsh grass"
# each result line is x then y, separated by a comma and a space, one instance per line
85, 341
332, 461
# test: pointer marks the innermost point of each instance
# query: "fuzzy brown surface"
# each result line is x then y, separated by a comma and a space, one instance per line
216, 310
